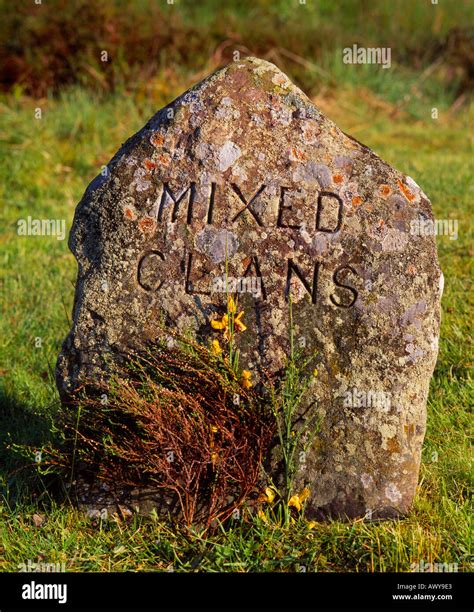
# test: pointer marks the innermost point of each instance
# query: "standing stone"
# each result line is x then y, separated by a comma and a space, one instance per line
244, 166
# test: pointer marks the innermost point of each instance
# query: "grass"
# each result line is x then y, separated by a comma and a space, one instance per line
145, 38
45, 165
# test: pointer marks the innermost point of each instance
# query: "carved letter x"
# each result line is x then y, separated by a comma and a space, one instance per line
247, 204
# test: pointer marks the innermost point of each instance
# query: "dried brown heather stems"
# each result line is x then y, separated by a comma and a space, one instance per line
177, 419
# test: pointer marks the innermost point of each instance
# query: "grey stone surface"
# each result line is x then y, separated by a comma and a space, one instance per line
244, 164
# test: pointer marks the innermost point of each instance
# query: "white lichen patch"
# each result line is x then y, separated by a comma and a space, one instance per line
227, 155
216, 244
394, 240
392, 493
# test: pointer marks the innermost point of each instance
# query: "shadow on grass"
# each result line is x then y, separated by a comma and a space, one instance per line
23, 433
27, 482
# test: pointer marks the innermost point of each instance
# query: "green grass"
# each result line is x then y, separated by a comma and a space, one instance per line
45, 166
431, 533
57, 43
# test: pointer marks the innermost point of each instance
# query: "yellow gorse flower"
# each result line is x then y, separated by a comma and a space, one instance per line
296, 501
231, 316
214, 455
232, 309
268, 496
270, 493
245, 379
238, 321
222, 324
231, 305
216, 347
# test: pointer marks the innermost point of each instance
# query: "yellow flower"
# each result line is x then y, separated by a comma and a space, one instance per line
216, 347
214, 429
231, 305
245, 381
238, 323
312, 524
261, 515
296, 501
315, 372
304, 494
214, 457
270, 493
222, 324
268, 496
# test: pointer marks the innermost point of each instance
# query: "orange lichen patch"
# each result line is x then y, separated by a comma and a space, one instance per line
393, 446
337, 178
149, 164
296, 154
406, 192
356, 201
164, 160
411, 269
147, 225
381, 222
369, 207
384, 191
157, 139
129, 213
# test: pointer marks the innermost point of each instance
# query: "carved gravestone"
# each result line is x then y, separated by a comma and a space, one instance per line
244, 167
